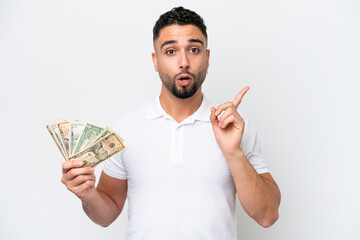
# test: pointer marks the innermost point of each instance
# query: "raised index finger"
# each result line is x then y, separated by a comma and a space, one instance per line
239, 96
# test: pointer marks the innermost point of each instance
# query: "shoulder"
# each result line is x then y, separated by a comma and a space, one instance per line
133, 116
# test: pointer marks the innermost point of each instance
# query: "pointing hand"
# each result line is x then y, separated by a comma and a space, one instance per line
229, 128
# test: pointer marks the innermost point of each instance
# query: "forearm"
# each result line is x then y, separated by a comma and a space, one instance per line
101, 209
259, 196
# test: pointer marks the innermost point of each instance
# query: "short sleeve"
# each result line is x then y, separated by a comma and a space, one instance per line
115, 166
251, 147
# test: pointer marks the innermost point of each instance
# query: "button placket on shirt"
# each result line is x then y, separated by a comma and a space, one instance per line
177, 139
177, 144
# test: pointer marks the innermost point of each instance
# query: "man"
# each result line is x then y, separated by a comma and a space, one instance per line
186, 159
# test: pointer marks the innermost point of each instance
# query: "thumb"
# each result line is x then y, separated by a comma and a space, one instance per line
214, 120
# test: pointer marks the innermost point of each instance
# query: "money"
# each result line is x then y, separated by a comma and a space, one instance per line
58, 138
100, 150
51, 128
64, 135
76, 129
84, 141
102, 134
89, 133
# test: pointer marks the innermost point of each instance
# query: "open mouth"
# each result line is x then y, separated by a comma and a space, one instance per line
184, 80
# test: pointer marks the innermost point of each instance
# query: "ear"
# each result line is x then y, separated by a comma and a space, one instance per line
207, 57
155, 60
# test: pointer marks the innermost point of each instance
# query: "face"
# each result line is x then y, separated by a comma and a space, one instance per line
181, 58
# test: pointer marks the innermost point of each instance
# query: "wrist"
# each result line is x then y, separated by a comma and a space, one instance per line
88, 198
235, 155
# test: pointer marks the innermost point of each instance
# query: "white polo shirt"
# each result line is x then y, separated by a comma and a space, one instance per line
179, 184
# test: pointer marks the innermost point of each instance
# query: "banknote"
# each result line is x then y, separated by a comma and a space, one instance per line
100, 150
105, 132
84, 141
54, 127
51, 127
64, 135
76, 129
89, 134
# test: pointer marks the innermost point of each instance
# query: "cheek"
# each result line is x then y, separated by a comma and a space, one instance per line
167, 65
199, 62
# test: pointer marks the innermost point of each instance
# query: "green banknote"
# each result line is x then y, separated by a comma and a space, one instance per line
84, 141
103, 134
88, 135
100, 150
76, 128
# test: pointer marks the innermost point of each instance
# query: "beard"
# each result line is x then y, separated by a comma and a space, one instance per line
187, 91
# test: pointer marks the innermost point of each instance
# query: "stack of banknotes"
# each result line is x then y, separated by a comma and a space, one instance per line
84, 141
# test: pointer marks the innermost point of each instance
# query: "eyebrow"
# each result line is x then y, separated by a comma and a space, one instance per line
167, 42
174, 41
196, 40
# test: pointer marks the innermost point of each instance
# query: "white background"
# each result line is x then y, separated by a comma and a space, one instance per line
91, 60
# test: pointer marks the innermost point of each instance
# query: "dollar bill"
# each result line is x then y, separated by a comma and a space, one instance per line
100, 150
88, 135
76, 129
105, 132
51, 127
55, 129
64, 135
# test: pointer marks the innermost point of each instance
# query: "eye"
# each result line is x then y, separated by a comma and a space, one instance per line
194, 50
170, 52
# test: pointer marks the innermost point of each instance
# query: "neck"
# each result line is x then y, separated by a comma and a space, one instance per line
177, 108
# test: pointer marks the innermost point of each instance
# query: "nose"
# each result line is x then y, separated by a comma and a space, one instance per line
184, 63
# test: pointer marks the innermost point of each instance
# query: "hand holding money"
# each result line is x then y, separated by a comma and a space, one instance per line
84, 141
79, 180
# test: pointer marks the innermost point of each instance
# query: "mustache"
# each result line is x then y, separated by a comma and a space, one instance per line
185, 72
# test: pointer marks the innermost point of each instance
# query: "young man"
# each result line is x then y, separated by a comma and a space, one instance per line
186, 159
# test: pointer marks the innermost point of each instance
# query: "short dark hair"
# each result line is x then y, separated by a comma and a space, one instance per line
179, 16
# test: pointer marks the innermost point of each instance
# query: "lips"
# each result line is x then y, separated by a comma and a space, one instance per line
184, 79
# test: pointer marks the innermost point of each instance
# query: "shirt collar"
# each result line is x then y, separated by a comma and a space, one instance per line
155, 110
